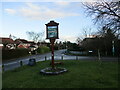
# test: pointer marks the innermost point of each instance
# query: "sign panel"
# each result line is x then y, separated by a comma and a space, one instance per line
52, 31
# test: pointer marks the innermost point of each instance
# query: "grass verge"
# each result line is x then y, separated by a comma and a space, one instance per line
81, 74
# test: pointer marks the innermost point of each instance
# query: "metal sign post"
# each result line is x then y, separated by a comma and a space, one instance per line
52, 35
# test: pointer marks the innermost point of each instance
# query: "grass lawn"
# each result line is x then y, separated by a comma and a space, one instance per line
81, 74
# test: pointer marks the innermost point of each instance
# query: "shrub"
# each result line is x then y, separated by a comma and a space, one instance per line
43, 49
14, 53
55, 47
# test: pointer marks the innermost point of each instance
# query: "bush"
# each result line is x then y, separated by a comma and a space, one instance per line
55, 47
43, 49
14, 53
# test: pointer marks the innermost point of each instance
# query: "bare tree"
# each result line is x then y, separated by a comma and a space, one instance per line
36, 37
105, 12
78, 40
12, 37
87, 32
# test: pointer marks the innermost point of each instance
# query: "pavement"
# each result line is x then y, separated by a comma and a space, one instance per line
58, 55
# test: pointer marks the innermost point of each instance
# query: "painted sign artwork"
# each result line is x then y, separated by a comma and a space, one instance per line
52, 31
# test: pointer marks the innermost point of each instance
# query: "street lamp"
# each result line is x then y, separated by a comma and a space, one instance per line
52, 35
113, 48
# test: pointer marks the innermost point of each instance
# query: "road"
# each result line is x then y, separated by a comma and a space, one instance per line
9, 65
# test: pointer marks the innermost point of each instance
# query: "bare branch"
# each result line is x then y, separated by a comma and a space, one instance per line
36, 37
107, 13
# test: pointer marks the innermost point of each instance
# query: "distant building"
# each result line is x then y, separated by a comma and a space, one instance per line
7, 43
22, 43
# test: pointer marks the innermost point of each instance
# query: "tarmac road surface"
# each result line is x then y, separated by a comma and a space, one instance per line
58, 55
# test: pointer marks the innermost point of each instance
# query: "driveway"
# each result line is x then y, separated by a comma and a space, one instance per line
58, 55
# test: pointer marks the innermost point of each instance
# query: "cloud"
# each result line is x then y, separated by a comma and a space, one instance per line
68, 38
50, 0
30, 5
57, 0
40, 12
62, 3
10, 11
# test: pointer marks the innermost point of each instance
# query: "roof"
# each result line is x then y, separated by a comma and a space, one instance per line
6, 41
52, 23
18, 41
21, 40
32, 42
85, 39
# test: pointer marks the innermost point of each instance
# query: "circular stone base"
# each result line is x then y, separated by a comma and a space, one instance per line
50, 71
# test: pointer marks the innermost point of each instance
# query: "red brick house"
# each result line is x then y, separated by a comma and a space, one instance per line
7, 43
22, 43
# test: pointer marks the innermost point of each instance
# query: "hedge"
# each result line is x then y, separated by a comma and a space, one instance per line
14, 53
43, 49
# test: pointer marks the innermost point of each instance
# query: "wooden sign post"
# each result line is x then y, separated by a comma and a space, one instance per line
52, 35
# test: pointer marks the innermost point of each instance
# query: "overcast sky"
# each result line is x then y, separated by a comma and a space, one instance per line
20, 17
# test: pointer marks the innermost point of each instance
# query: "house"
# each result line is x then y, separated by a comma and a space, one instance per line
22, 43
7, 43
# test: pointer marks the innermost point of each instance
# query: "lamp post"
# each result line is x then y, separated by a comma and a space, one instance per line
113, 48
52, 35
